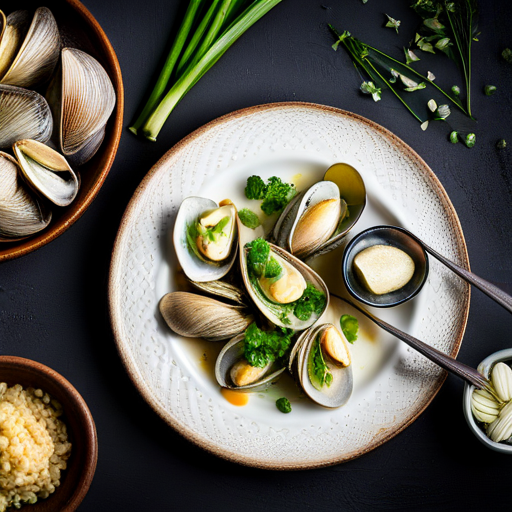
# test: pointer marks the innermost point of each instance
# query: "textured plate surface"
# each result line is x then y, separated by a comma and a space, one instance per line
392, 383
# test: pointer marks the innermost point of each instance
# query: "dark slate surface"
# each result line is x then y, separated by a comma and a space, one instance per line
53, 305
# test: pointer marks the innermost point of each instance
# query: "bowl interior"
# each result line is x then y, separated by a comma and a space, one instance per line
502, 356
78, 476
78, 29
384, 235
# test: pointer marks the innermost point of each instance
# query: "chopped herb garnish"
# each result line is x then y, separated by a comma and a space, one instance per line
456, 90
255, 188
318, 371
416, 87
410, 56
284, 405
257, 256
312, 301
392, 23
489, 90
501, 144
507, 55
248, 218
454, 137
369, 88
273, 269
350, 327
470, 140
263, 347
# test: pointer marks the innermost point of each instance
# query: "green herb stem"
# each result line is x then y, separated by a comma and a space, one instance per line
172, 58
251, 15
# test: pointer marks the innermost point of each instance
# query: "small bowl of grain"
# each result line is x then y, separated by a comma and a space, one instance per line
48, 441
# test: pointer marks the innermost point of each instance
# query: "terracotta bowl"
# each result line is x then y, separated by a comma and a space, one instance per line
81, 30
77, 478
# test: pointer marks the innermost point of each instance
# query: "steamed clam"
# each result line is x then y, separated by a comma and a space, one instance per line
321, 362
24, 115
21, 214
196, 316
232, 370
82, 99
29, 47
205, 238
47, 171
317, 220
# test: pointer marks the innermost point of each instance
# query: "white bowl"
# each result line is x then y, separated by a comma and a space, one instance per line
484, 368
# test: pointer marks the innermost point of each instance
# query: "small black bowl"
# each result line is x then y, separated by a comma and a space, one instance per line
385, 235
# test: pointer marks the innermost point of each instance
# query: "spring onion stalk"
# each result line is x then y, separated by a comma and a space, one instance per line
251, 15
170, 62
196, 38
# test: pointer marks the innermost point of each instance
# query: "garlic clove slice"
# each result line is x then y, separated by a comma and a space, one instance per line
501, 377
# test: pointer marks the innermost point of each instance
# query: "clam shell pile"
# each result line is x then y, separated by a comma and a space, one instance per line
54, 105
229, 296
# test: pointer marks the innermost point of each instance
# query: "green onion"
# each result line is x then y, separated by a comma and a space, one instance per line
170, 62
188, 79
489, 90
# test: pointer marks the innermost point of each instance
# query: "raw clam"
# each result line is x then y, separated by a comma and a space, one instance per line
29, 48
47, 171
24, 115
190, 239
82, 99
275, 296
234, 372
320, 361
317, 220
196, 316
21, 214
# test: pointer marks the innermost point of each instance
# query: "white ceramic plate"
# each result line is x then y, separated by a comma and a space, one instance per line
393, 384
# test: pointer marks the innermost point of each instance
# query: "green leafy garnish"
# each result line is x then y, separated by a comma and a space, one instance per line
273, 269
501, 144
369, 88
410, 56
192, 235
256, 188
489, 90
263, 347
456, 90
258, 253
248, 218
312, 301
275, 194
349, 326
284, 405
392, 23
318, 371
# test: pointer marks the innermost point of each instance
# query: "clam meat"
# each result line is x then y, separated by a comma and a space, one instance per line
317, 220
21, 213
47, 172
195, 316
204, 238
24, 115
29, 48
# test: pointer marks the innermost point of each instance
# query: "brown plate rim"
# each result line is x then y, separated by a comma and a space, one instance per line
89, 425
112, 291
29, 246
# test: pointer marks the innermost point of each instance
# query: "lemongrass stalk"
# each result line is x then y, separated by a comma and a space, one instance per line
196, 38
170, 62
251, 15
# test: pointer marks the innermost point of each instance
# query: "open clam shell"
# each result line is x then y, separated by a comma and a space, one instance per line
47, 171
24, 115
318, 220
222, 289
82, 99
233, 353
196, 316
21, 214
198, 269
272, 310
29, 48
339, 391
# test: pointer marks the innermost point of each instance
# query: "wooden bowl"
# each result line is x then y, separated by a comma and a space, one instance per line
77, 478
79, 29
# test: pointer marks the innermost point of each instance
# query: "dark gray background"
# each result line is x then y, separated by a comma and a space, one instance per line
53, 303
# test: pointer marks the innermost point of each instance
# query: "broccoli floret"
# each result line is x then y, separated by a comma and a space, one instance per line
277, 196
256, 188
257, 256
